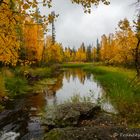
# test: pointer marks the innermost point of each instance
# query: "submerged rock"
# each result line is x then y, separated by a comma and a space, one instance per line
69, 114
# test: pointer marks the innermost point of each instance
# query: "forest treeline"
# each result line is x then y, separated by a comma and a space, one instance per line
23, 41
115, 49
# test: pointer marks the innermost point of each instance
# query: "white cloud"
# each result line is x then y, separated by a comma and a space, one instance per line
73, 26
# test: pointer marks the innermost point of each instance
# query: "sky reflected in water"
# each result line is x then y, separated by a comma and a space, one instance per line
74, 82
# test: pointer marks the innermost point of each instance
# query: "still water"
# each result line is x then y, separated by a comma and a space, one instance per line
69, 83
77, 83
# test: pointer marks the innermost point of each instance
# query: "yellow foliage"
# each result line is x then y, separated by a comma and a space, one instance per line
67, 54
8, 36
94, 53
53, 52
13, 16
33, 41
119, 48
81, 54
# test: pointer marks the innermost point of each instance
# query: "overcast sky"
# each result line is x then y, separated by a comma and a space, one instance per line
73, 26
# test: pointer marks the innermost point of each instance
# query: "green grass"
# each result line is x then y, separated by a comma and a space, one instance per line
116, 81
41, 85
41, 72
117, 84
76, 65
76, 98
16, 86
14, 83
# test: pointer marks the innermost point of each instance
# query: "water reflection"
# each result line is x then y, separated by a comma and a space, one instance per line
70, 83
77, 82
74, 82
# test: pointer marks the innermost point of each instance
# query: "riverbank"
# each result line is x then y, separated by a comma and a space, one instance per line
20, 81
64, 109
118, 85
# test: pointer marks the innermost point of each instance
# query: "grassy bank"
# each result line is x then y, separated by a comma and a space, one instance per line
116, 82
14, 82
76, 65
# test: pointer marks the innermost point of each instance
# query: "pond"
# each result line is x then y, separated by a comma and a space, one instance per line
76, 83
70, 84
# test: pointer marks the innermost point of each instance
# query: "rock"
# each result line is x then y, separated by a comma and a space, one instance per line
33, 109
101, 119
9, 136
5, 117
4, 99
93, 133
69, 114
8, 116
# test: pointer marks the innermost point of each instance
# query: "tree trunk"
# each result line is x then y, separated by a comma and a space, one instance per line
137, 63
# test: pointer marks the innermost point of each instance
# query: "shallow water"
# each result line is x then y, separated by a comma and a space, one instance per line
75, 83
70, 83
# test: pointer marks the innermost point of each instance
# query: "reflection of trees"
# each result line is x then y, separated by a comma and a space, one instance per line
50, 94
73, 74
38, 101
80, 74
50, 97
59, 83
52, 89
88, 76
67, 74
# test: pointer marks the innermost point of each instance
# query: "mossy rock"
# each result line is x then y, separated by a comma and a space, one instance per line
54, 135
92, 133
68, 114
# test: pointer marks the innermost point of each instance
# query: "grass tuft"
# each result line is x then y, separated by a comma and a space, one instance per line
16, 86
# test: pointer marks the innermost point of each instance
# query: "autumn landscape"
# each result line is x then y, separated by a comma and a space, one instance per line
69, 70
